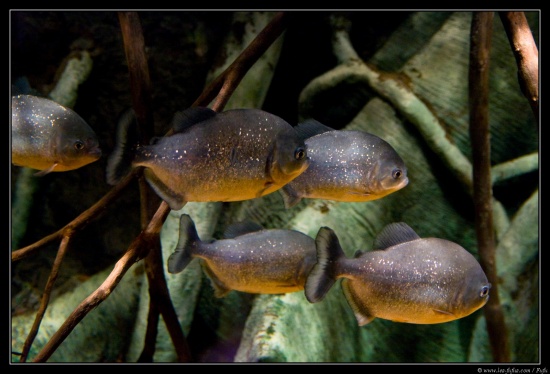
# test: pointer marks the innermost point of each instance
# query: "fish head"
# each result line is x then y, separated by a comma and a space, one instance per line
288, 158
389, 173
75, 144
472, 294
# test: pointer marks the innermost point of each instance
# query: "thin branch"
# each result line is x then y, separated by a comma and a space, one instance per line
224, 85
526, 54
160, 301
79, 222
132, 255
45, 297
151, 332
480, 45
138, 68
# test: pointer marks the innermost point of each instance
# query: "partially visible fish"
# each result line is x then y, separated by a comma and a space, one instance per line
235, 155
249, 259
50, 137
345, 165
404, 279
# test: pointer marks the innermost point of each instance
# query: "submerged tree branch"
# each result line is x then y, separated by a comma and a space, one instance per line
134, 253
480, 45
138, 68
79, 222
223, 86
526, 54
45, 297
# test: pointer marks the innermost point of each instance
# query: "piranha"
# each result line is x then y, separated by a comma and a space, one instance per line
249, 259
345, 165
235, 155
404, 278
49, 137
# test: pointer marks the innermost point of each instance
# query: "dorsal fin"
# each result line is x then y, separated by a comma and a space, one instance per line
393, 234
241, 228
311, 127
190, 116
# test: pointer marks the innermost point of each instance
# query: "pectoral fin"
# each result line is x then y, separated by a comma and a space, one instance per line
438, 311
45, 171
290, 196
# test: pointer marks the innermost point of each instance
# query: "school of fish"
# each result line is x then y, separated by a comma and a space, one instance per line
49, 137
244, 154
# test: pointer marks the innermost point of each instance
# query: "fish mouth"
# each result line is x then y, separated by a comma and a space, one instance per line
95, 152
383, 192
403, 183
388, 189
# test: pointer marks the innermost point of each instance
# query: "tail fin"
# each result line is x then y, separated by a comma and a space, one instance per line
183, 254
120, 161
323, 275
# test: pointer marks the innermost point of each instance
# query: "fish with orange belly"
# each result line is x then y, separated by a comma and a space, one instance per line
49, 137
404, 279
236, 155
345, 165
249, 259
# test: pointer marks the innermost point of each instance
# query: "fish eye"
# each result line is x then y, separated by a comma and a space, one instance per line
299, 153
485, 290
396, 173
78, 145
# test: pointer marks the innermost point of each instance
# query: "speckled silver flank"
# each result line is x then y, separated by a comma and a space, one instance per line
236, 155
46, 134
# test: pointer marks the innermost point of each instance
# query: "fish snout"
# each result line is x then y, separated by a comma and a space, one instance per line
403, 183
94, 150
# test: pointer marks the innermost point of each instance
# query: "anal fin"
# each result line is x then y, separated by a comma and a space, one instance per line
362, 315
175, 200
